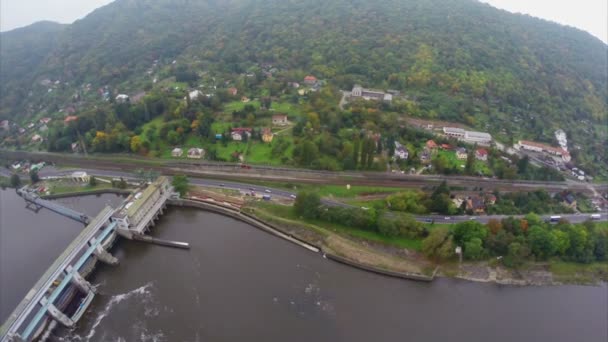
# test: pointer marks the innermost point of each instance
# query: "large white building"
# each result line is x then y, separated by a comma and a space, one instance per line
472, 137
543, 148
370, 94
481, 138
454, 132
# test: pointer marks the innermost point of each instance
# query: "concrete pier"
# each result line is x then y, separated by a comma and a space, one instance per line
57, 314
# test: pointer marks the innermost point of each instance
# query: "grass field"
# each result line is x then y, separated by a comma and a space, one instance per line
570, 272
287, 213
238, 105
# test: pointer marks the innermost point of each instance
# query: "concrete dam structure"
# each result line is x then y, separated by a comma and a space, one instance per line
62, 294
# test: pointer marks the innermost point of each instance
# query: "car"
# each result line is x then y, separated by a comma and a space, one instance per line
251, 189
447, 218
222, 184
267, 191
472, 218
292, 196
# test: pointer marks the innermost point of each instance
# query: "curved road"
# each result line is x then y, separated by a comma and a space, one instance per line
52, 172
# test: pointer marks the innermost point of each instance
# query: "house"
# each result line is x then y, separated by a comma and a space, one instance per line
431, 145
490, 199
481, 154
69, 119
177, 152
295, 85
196, 153
569, 201
5, 125
476, 205
122, 98
461, 153
238, 133
245, 99
280, 120
425, 156
75, 147
370, 94
218, 136
21, 130
36, 138
446, 147
233, 91
193, 95
43, 128
454, 132
267, 135
400, 151
310, 80
45, 120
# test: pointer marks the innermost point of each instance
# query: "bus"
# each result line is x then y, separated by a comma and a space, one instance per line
555, 218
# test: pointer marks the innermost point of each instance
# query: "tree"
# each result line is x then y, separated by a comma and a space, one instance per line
473, 249
522, 165
470, 165
181, 184
542, 243
517, 254
438, 244
307, 204
562, 241
468, 230
92, 181
34, 176
136, 143
15, 180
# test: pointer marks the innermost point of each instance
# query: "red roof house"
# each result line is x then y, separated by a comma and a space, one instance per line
481, 154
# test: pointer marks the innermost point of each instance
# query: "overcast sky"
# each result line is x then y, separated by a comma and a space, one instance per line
588, 15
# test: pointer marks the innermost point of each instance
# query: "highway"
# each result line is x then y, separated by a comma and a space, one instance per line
287, 194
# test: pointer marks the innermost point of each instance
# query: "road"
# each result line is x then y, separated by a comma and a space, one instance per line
287, 194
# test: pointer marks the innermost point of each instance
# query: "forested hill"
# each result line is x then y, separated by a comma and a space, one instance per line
461, 60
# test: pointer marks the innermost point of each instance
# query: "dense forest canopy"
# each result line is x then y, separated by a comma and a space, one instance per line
459, 60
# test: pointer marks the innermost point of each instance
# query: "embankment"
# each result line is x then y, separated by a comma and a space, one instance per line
312, 242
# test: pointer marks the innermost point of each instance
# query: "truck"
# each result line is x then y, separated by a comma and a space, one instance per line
266, 197
596, 216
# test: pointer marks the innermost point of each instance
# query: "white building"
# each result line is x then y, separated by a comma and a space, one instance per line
194, 94
370, 94
400, 151
196, 153
122, 98
482, 138
177, 152
454, 132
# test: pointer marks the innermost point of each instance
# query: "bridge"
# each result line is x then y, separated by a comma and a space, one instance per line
35, 203
62, 294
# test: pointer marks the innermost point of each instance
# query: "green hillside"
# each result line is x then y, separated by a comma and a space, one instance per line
455, 60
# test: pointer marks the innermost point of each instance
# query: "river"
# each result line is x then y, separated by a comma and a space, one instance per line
238, 283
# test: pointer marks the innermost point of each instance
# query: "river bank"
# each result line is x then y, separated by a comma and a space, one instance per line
394, 261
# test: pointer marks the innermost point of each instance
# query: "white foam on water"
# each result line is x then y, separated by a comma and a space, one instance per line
142, 290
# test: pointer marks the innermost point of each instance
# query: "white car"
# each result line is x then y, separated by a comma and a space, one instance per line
292, 196
267, 191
